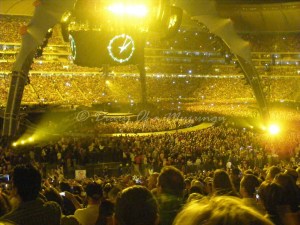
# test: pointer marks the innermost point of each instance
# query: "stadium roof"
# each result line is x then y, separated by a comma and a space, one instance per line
247, 15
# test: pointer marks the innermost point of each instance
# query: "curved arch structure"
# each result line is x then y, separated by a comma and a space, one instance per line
224, 29
47, 13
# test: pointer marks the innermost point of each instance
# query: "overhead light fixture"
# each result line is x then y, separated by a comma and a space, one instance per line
120, 9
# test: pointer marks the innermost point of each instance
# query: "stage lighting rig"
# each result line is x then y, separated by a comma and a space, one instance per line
101, 32
146, 15
113, 32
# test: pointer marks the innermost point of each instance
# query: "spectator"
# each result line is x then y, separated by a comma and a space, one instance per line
293, 174
135, 206
272, 172
68, 206
248, 190
187, 188
222, 184
89, 215
5, 205
291, 192
32, 210
272, 197
52, 194
106, 212
152, 181
208, 187
170, 194
235, 177
218, 210
113, 193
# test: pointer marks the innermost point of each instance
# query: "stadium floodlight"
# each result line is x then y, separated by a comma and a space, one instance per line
121, 9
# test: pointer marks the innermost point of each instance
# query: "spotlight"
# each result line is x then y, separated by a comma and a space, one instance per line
14, 144
274, 129
128, 10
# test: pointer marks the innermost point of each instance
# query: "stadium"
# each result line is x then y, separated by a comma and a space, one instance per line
116, 91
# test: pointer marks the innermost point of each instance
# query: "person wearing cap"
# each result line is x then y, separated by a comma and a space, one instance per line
89, 215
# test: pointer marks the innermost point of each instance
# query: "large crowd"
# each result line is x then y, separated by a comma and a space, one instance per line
269, 194
172, 173
169, 197
211, 162
89, 89
85, 86
209, 148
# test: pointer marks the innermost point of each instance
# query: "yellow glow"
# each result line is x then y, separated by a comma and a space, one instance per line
274, 129
22, 142
172, 21
107, 82
14, 144
66, 17
128, 10
30, 139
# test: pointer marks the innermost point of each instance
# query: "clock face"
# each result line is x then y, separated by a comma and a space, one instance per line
121, 48
73, 47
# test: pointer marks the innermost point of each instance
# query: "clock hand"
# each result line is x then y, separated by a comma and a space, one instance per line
122, 48
125, 47
125, 41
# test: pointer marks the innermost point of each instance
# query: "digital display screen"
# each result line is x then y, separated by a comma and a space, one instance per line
95, 48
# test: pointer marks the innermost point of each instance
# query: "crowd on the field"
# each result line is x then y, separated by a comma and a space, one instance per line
208, 149
268, 196
242, 167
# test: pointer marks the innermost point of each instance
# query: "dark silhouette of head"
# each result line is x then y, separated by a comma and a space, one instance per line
171, 181
272, 196
106, 211
27, 180
94, 191
272, 172
249, 184
291, 191
135, 206
222, 184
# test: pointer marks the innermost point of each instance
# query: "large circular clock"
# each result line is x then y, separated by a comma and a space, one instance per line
73, 47
121, 48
